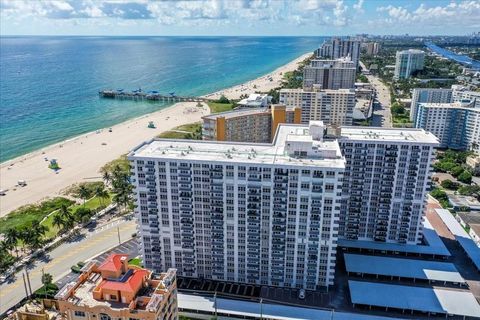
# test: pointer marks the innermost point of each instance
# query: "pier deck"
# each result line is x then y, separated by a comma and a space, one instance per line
140, 95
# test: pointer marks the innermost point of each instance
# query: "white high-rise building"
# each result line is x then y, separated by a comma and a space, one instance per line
333, 107
387, 175
261, 213
336, 48
408, 61
456, 124
428, 95
330, 74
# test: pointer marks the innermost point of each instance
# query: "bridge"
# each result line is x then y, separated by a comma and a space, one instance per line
140, 95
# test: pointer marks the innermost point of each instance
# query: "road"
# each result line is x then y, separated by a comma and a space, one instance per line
58, 261
382, 116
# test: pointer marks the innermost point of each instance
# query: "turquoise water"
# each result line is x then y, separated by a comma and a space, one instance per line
49, 85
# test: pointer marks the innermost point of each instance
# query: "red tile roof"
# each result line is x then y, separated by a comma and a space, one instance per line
133, 282
112, 263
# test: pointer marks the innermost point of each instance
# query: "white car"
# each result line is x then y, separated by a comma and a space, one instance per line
301, 294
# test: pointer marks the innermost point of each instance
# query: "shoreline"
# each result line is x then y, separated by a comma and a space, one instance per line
80, 157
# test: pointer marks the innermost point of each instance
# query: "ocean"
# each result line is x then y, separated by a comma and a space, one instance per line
49, 85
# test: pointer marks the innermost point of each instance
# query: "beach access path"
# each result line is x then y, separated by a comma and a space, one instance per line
80, 158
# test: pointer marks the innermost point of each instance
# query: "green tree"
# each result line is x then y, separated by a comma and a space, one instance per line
101, 193
457, 171
223, 99
84, 193
83, 214
47, 279
12, 235
449, 184
465, 177
58, 221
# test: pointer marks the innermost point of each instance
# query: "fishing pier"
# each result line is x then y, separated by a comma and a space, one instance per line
140, 95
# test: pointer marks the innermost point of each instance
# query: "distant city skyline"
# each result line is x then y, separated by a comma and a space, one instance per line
238, 17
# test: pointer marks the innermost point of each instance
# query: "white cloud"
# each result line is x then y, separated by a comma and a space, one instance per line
359, 6
455, 13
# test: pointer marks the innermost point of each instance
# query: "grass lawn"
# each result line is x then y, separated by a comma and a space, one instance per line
136, 262
192, 131
216, 107
93, 204
28, 214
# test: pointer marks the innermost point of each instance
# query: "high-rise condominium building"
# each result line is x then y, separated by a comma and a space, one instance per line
407, 62
427, 95
251, 213
456, 93
333, 107
248, 124
330, 74
386, 179
373, 48
116, 290
456, 124
340, 48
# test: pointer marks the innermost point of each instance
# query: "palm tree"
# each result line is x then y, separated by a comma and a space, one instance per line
106, 177
101, 194
58, 221
83, 193
36, 233
12, 236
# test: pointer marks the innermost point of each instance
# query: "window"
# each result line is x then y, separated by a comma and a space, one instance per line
79, 314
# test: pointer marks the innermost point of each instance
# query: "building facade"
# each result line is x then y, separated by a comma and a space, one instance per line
248, 125
115, 290
386, 179
407, 62
336, 48
373, 48
262, 214
428, 95
333, 107
330, 74
456, 124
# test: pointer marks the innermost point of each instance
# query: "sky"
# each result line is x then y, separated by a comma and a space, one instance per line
239, 17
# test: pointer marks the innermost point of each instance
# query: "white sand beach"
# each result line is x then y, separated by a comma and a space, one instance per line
80, 158
261, 84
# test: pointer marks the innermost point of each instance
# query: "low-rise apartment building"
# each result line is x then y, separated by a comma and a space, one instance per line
248, 125
116, 290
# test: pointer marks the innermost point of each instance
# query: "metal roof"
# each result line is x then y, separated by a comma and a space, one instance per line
434, 300
400, 267
468, 245
269, 310
435, 245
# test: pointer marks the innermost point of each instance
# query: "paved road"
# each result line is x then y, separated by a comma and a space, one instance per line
58, 261
382, 116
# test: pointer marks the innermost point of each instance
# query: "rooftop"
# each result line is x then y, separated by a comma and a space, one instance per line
452, 105
462, 237
402, 267
321, 153
135, 288
388, 134
238, 113
442, 301
434, 245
